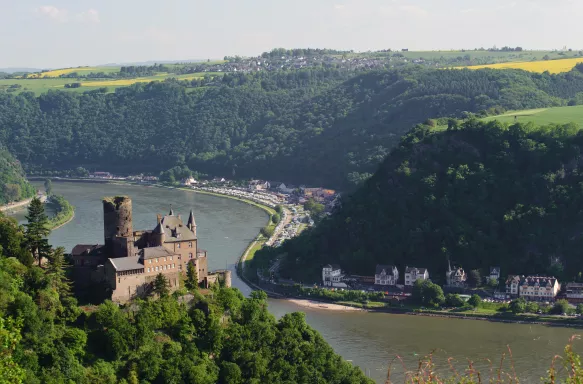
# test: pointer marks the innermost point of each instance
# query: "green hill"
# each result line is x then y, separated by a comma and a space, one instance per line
13, 184
484, 195
312, 126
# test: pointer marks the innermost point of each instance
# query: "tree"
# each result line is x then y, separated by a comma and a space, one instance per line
161, 286
230, 373
427, 293
191, 282
475, 301
580, 309
37, 230
275, 218
475, 278
560, 307
518, 306
532, 307
10, 371
56, 272
453, 300
492, 283
267, 231
48, 187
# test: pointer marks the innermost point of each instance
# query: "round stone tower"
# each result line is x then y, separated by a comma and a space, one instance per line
117, 225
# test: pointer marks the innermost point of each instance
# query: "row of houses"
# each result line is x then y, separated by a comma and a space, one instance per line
385, 275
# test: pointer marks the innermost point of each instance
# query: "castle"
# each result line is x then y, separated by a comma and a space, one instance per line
129, 260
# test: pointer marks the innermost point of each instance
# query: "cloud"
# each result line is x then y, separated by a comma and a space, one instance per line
414, 10
62, 15
339, 6
53, 13
90, 16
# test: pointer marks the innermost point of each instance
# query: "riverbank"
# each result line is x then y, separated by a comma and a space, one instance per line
319, 305
65, 212
17, 205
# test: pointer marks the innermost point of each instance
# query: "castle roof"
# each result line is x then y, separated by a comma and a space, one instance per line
159, 229
87, 249
411, 269
126, 263
154, 252
176, 230
191, 221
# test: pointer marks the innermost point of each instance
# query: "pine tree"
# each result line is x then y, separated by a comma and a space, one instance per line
191, 277
161, 286
56, 272
37, 230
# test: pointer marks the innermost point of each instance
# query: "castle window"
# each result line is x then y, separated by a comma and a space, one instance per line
156, 268
148, 269
172, 265
178, 245
156, 260
149, 261
190, 245
190, 255
164, 259
171, 258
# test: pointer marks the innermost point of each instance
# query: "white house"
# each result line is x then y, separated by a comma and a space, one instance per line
332, 276
386, 275
413, 274
189, 181
495, 273
533, 288
284, 189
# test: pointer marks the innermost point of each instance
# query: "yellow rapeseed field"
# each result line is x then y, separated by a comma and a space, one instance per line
553, 66
115, 83
59, 72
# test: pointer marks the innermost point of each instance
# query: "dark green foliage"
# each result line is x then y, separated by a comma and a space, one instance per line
453, 300
485, 194
561, 306
37, 230
267, 231
161, 285
13, 184
312, 126
275, 218
518, 306
191, 282
475, 301
427, 293
48, 187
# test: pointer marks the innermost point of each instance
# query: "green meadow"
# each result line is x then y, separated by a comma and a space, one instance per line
543, 116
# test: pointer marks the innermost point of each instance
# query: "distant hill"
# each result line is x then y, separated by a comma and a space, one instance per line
13, 184
482, 195
17, 70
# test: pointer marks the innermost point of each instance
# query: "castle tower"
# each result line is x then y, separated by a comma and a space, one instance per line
159, 233
191, 224
117, 226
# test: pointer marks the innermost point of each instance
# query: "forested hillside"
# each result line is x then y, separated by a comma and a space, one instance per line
13, 184
45, 337
312, 126
480, 195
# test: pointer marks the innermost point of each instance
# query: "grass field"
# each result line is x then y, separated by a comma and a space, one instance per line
44, 84
552, 66
79, 70
559, 115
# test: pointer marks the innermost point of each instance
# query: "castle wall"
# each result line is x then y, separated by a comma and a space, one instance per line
222, 275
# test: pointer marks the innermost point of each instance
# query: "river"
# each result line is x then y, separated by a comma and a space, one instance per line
369, 340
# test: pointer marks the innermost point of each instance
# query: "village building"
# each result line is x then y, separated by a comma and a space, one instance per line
574, 293
332, 276
258, 185
495, 273
129, 260
455, 277
386, 275
413, 274
532, 288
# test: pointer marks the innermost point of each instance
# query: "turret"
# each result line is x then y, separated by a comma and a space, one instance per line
159, 233
117, 226
191, 224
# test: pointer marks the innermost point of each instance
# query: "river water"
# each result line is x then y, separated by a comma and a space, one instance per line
369, 340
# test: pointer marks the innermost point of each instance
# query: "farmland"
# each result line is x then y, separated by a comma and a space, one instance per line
552, 66
79, 70
543, 116
44, 84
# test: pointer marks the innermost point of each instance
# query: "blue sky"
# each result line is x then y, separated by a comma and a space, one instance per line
65, 33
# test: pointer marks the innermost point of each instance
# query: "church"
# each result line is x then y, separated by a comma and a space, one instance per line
129, 260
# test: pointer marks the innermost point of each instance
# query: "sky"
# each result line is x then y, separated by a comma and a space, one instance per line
68, 33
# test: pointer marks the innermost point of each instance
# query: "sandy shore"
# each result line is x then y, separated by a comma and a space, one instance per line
320, 305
